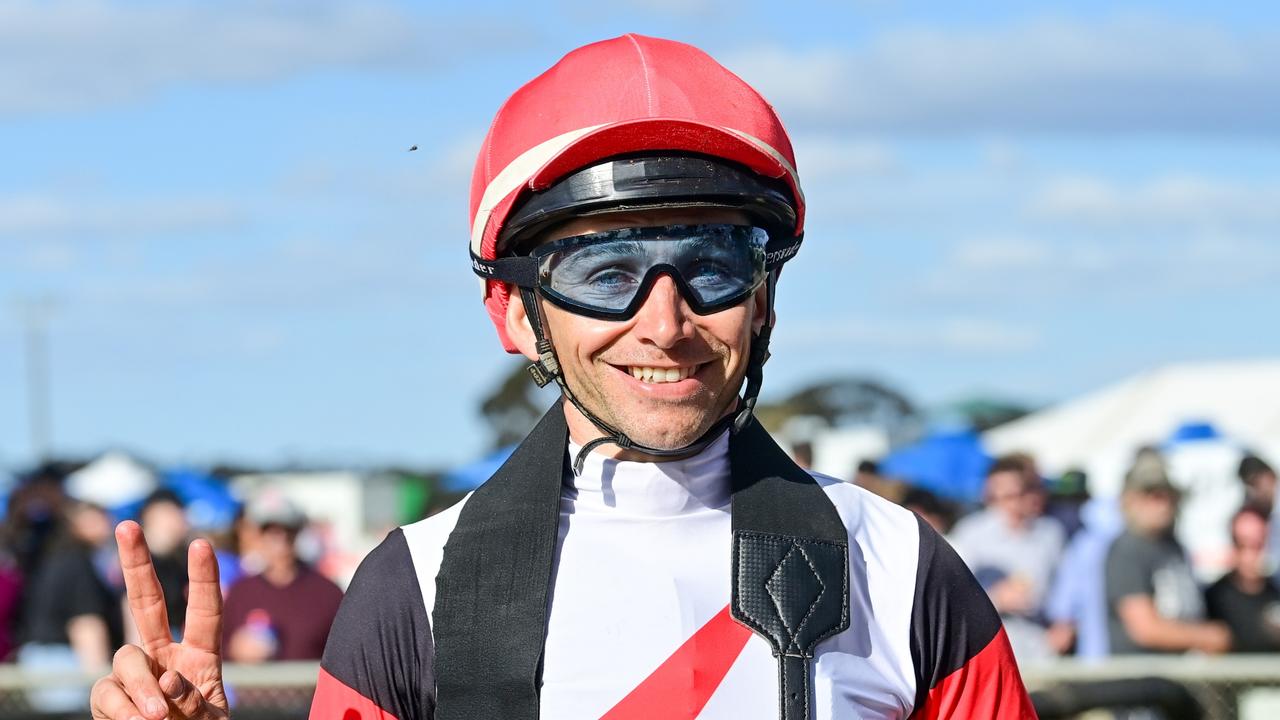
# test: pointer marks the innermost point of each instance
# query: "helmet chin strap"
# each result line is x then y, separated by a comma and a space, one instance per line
547, 368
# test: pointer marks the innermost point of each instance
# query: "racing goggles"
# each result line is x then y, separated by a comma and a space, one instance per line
608, 274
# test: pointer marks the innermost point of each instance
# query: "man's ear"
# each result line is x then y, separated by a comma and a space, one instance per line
518, 328
760, 306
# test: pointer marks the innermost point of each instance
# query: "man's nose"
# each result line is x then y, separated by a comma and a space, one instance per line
664, 317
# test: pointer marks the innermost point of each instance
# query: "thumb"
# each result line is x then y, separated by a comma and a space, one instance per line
185, 698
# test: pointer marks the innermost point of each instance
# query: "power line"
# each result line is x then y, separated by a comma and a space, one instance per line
36, 314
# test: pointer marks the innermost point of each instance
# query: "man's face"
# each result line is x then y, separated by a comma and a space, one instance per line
1151, 511
609, 365
1008, 494
165, 527
1249, 538
1264, 486
276, 543
90, 524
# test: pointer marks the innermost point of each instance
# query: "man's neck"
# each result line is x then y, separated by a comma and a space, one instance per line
1019, 523
1153, 534
281, 573
1249, 586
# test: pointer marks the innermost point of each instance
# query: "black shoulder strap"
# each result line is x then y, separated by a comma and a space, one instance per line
790, 562
490, 616
790, 574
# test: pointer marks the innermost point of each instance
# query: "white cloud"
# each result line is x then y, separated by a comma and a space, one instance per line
1176, 200
1001, 253
950, 335
56, 256
441, 171
1031, 271
1002, 156
980, 335
306, 271
823, 157
36, 217
75, 54
1122, 73
681, 9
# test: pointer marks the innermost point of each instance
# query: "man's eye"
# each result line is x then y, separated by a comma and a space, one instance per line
708, 270
609, 279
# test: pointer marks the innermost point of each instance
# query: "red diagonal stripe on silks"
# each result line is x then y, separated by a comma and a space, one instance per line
684, 682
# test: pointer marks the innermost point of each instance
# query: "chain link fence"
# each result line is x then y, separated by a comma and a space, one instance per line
1214, 688
1230, 688
274, 691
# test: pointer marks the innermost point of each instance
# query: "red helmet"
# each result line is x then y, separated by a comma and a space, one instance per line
632, 94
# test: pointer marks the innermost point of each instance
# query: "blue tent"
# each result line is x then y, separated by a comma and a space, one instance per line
210, 503
950, 463
468, 477
1192, 431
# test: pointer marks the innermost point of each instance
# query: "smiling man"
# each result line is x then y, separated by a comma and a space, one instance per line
647, 551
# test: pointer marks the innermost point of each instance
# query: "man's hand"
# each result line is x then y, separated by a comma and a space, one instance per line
247, 646
180, 681
1013, 595
1215, 638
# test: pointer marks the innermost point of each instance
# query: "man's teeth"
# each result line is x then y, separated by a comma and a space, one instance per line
660, 375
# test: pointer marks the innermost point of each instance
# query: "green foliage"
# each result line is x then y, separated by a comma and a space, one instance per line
845, 401
514, 407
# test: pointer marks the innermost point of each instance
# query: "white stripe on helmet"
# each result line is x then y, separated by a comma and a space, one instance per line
773, 153
516, 173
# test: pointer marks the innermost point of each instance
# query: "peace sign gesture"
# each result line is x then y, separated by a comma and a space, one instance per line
181, 681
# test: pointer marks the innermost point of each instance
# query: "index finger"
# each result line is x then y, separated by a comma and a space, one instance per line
146, 599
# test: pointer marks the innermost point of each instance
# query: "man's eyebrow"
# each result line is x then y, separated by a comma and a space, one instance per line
700, 241
614, 248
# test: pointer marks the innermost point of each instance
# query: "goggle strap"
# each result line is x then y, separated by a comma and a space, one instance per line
758, 357
518, 270
781, 249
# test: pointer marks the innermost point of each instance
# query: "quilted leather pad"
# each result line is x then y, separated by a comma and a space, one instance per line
792, 591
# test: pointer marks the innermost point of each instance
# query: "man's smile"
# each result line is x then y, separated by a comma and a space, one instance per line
660, 374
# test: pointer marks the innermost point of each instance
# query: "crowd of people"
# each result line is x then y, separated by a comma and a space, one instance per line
62, 604
1089, 577
1070, 575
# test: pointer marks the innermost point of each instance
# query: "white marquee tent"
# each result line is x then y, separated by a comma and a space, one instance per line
112, 480
1235, 406
1100, 431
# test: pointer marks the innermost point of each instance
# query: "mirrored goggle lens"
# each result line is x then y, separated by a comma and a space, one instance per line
714, 266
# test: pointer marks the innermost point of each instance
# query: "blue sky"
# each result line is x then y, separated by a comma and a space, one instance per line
245, 263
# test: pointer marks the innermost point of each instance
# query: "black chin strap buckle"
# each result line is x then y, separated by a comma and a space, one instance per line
540, 375
547, 367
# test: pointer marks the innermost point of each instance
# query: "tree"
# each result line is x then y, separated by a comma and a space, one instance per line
984, 413
847, 401
515, 406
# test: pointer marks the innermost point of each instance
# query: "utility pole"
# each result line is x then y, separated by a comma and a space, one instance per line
35, 313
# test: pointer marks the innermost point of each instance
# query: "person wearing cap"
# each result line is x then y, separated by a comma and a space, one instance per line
648, 550
1259, 481
283, 612
1154, 604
